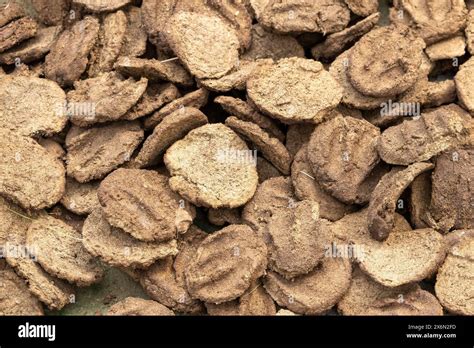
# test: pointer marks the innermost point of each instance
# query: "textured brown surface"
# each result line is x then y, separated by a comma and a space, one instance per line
295, 89
297, 239
80, 198
51, 12
255, 301
271, 197
244, 111
266, 170
405, 257
68, 58
420, 139
236, 79
308, 188
388, 74
53, 292
9, 12
109, 43
447, 48
29, 175
324, 16
21, 97
454, 283
201, 175
102, 6
223, 216
196, 99
117, 248
165, 281
226, 264
271, 148
342, 153
32, 49
266, 44
297, 136
465, 84
17, 31
155, 15
315, 292
160, 282
420, 197
218, 99
352, 229
469, 32
452, 195
60, 251
139, 307
23, 303
367, 297
173, 128
95, 152
134, 44
430, 93
155, 96
110, 94
351, 96
384, 198
238, 16
432, 23
73, 220
362, 8
205, 44
335, 43
146, 208
154, 70
14, 225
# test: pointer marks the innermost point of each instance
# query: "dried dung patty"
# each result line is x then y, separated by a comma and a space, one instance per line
420, 139
432, 23
271, 148
60, 251
68, 57
391, 73
367, 297
225, 264
23, 302
271, 197
29, 175
146, 208
454, 283
165, 280
131, 306
110, 96
212, 167
324, 16
118, 248
404, 257
80, 198
295, 90
452, 198
384, 198
22, 97
172, 128
92, 153
308, 188
255, 301
102, 6
315, 292
205, 44
297, 239
342, 153
54, 293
